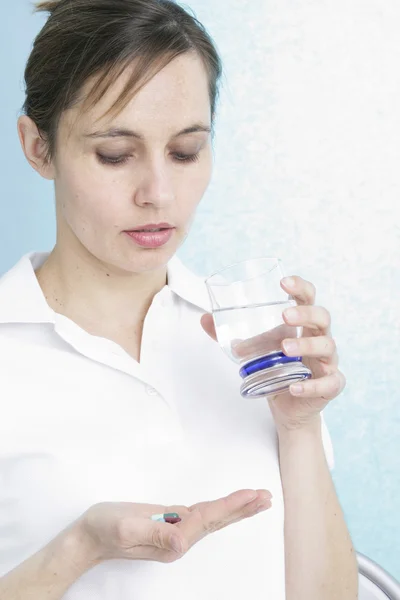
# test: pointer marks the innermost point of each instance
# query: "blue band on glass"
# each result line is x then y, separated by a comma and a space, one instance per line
265, 362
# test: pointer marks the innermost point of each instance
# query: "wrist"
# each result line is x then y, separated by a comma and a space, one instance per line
312, 429
79, 547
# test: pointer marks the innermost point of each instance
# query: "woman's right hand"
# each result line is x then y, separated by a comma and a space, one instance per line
125, 530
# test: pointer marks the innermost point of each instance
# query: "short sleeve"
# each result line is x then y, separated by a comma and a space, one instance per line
327, 442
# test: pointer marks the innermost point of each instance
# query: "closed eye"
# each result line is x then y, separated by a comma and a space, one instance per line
121, 160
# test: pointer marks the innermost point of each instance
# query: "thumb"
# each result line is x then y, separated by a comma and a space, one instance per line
207, 324
163, 536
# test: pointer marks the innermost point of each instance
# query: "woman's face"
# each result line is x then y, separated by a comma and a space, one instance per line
108, 184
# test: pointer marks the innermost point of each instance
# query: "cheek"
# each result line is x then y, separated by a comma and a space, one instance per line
88, 204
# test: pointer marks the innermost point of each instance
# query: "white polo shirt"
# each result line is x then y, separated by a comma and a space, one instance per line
83, 422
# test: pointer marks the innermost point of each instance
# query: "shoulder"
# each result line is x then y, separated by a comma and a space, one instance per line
21, 298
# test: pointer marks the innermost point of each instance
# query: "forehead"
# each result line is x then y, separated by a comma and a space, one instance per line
178, 93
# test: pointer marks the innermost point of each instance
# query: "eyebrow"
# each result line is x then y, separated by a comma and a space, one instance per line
122, 132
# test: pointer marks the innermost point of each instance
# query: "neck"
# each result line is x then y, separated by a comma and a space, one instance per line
82, 288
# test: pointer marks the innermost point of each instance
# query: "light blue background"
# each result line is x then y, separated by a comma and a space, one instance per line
306, 168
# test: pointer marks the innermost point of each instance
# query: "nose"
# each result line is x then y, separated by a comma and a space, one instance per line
155, 187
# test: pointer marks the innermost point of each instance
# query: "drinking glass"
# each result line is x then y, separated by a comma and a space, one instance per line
247, 304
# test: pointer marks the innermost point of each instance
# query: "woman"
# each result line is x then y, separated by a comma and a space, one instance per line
117, 405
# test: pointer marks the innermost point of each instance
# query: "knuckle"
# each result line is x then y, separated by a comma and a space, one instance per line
327, 368
344, 380
334, 387
331, 345
338, 382
327, 318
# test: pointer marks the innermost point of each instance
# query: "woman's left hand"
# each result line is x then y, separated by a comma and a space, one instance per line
292, 410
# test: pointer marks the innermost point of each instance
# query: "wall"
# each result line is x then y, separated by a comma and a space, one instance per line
306, 168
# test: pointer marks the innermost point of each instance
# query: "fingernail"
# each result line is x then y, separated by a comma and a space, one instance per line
266, 502
290, 346
291, 314
288, 282
296, 388
251, 499
236, 342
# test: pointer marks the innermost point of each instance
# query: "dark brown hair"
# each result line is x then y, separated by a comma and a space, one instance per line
85, 39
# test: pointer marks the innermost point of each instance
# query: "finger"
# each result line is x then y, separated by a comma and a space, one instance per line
227, 504
263, 343
162, 536
316, 318
259, 344
261, 503
207, 322
303, 291
322, 346
327, 387
214, 515
155, 533
155, 554
259, 496
137, 532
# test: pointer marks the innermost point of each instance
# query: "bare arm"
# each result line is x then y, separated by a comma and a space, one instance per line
52, 570
123, 530
319, 554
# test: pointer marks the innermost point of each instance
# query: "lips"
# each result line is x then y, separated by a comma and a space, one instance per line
150, 239
151, 230
152, 227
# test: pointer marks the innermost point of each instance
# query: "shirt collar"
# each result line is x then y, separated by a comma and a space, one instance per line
22, 299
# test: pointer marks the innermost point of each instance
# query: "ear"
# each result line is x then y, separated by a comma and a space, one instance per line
207, 324
34, 147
